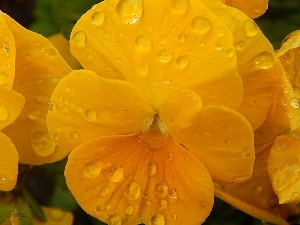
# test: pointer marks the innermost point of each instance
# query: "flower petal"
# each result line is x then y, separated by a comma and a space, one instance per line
8, 164
11, 105
85, 105
221, 138
284, 168
253, 8
121, 179
256, 196
38, 68
166, 46
7, 53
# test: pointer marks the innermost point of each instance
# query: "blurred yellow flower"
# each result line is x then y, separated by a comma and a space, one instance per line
169, 98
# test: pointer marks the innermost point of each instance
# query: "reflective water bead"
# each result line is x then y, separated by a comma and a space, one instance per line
180, 6
161, 189
143, 43
265, 60
92, 169
158, 219
133, 190
116, 174
164, 55
79, 38
42, 143
251, 28
114, 220
201, 25
97, 18
90, 115
129, 11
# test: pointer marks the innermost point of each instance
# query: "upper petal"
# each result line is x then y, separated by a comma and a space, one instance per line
38, 68
166, 46
253, 8
123, 179
85, 105
220, 138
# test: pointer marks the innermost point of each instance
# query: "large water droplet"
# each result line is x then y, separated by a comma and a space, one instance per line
164, 55
143, 43
240, 46
42, 143
92, 169
114, 220
4, 113
90, 115
97, 18
158, 219
129, 11
182, 62
265, 60
104, 192
250, 28
161, 189
116, 174
294, 103
133, 190
79, 38
180, 6
129, 210
151, 169
173, 193
201, 25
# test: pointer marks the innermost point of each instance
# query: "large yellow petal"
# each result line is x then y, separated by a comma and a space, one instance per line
221, 138
256, 62
38, 68
8, 164
11, 105
125, 180
256, 196
284, 168
253, 8
7, 53
160, 46
85, 105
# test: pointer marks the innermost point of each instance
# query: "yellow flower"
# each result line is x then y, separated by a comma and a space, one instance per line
33, 67
169, 98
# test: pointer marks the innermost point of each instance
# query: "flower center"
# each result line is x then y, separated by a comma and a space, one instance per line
154, 135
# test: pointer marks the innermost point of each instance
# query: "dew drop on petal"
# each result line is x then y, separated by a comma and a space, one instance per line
230, 52
4, 113
4, 77
180, 6
163, 40
90, 115
240, 46
79, 38
133, 190
92, 169
161, 189
251, 28
143, 69
265, 60
129, 11
99, 209
116, 174
169, 155
97, 18
129, 210
114, 220
151, 169
258, 189
164, 55
73, 135
247, 152
182, 62
173, 193
158, 219
143, 43
182, 37
201, 25
294, 103
219, 46
51, 106
33, 115
42, 143
104, 192
174, 216
5, 48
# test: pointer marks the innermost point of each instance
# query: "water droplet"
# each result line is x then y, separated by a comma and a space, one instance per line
90, 115
219, 46
201, 25
114, 220
150, 28
133, 190
42, 143
51, 52
5, 48
92, 169
108, 206
265, 60
99, 209
174, 216
169, 155
151, 169
230, 52
161, 189
129, 210
294, 103
163, 204
97, 18
4, 78
158, 219
164, 55
218, 186
73, 135
116, 174
247, 152
163, 40
240, 46
143, 43
79, 38
143, 69
33, 115
182, 62
180, 6
173, 193
106, 35
79, 109
64, 108
258, 189
4, 113
227, 142
129, 11
104, 192
182, 37
51, 106
250, 28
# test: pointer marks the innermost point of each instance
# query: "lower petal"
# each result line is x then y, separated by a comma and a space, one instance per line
122, 179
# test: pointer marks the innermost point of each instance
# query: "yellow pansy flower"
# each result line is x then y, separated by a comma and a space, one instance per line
168, 99
32, 66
